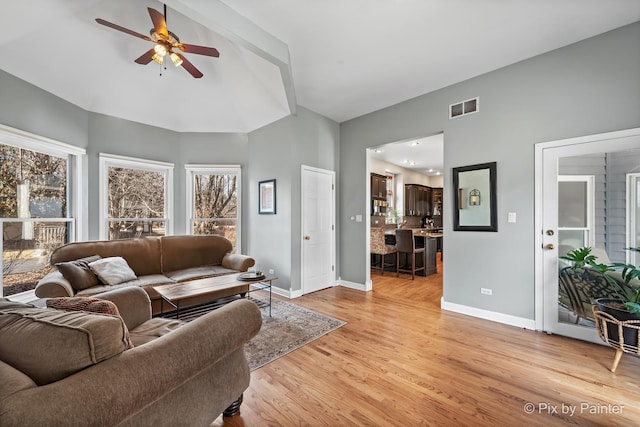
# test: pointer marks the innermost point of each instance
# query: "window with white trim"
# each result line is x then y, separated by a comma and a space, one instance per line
576, 211
39, 205
136, 198
213, 201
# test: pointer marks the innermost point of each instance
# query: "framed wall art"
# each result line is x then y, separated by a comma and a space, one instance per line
267, 197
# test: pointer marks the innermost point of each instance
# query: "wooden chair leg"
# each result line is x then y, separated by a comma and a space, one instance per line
382, 258
413, 266
616, 360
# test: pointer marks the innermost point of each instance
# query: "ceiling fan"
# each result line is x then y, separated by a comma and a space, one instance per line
166, 43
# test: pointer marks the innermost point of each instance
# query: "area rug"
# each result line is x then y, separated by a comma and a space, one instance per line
288, 328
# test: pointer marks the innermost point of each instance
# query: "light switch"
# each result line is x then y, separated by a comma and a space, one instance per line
358, 218
511, 217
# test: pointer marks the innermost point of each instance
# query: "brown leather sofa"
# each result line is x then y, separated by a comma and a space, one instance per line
155, 261
75, 368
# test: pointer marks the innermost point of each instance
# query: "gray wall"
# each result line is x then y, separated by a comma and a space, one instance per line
274, 151
586, 88
278, 151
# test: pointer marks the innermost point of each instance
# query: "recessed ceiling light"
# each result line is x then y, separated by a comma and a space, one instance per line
438, 173
405, 161
414, 143
412, 163
430, 170
377, 150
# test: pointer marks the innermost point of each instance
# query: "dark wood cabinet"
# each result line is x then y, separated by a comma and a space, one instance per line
378, 186
417, 200
436, 213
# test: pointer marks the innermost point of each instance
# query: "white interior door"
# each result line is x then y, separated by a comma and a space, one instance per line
318, 229
548, 157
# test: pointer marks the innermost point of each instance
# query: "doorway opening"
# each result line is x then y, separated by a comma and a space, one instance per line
405, 191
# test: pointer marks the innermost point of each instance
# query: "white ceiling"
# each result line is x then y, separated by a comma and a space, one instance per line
424, 155
347, 57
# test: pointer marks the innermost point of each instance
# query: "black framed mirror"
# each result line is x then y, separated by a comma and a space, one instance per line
475, 198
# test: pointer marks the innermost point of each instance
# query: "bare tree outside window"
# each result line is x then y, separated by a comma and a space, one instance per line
136, 203
215, 205
32, 185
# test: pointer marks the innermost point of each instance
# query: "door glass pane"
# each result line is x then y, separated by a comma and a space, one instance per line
572, 204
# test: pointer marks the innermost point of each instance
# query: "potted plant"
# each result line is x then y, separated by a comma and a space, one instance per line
627, 304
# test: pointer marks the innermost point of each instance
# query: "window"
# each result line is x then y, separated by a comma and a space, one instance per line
633, 217
213, 201
136, 197
576, 211
39, 205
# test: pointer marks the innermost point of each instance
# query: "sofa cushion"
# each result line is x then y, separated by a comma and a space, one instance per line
113, 270
92, 305
152, 329
198, 272
142, 281
78, 272
49, 344
142, 255
180, 252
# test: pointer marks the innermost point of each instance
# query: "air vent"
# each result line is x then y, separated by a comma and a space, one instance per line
463, 108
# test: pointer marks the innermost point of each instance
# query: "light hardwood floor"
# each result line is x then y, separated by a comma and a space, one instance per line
401, 361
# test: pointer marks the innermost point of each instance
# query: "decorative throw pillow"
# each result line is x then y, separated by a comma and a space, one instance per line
93, 305
113, 270
78, 272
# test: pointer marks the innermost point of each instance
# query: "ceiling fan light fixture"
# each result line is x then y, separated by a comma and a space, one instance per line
160, 50
177, 61
159, 59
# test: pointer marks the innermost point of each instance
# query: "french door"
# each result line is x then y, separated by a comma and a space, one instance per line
602, 156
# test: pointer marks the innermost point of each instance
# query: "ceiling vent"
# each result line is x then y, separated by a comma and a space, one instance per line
463, 108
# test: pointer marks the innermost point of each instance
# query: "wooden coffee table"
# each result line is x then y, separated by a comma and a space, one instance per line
209, 289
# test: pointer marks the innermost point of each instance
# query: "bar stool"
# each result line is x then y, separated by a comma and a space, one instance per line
379, 247
406, 244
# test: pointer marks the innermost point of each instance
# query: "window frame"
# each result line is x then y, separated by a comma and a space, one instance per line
112, 160
589, 234
193, 169
76, 197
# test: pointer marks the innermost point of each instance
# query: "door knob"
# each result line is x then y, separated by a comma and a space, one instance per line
550, 233
550, 246
307, 237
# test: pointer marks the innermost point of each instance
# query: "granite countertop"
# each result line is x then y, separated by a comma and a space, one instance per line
426, 232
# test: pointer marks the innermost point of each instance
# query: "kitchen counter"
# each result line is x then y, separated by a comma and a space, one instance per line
429, 238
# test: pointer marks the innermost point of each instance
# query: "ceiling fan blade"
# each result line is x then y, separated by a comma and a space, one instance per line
200, 50
159, 24
124, 30
191, 69
146, 57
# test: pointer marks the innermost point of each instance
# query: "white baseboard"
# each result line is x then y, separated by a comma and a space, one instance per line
287, 293
365, 287
494, 316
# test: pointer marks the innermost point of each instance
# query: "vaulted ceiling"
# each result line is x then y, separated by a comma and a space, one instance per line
339, 58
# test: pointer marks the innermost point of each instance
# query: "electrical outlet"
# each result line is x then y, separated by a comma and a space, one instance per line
272, 271
485, 291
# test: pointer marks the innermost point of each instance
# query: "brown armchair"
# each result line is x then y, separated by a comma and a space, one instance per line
176, 374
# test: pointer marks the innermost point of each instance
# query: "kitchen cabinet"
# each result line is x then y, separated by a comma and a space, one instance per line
378, 186
417, 200
436, 214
